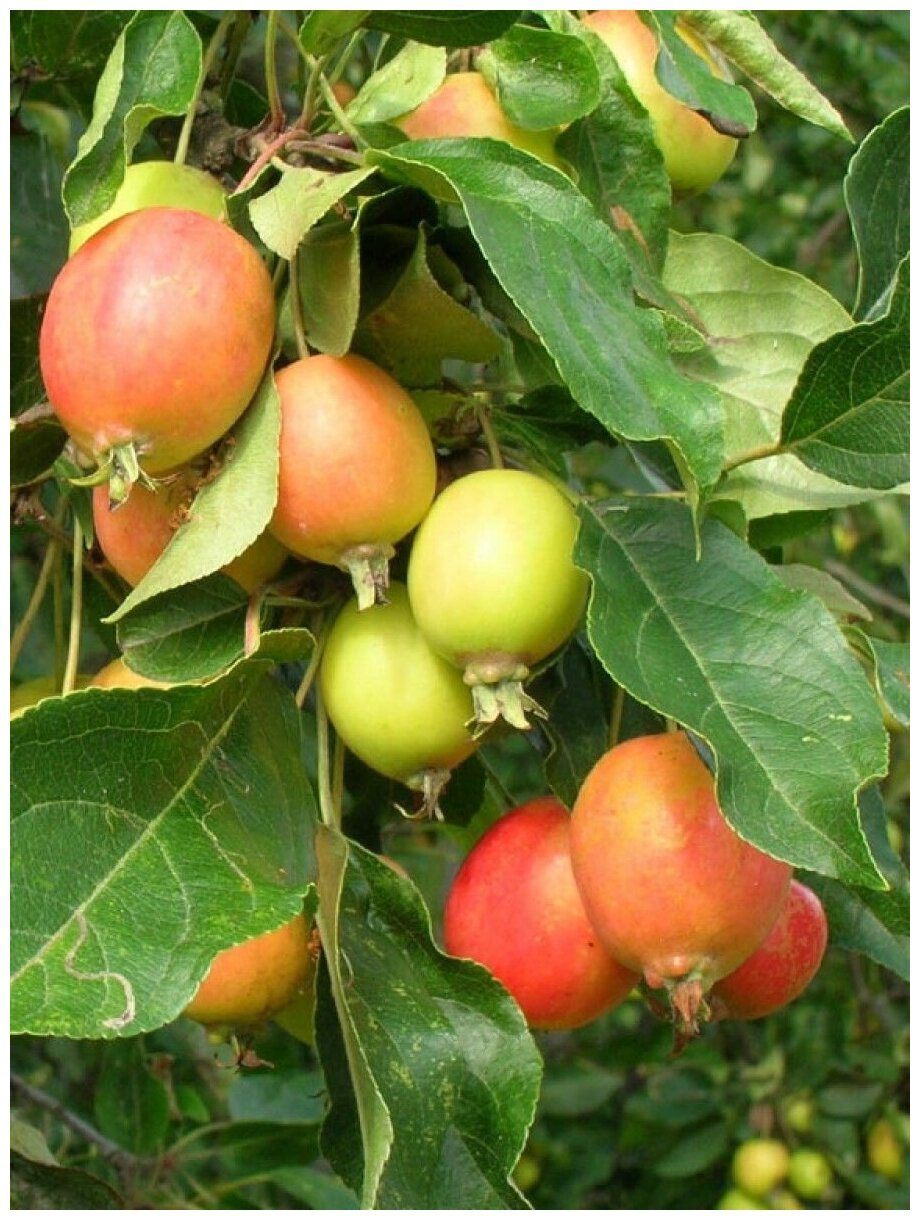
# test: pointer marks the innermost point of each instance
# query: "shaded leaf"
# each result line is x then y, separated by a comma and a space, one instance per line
130, 1104
64, 44
838, 599
152, 71
149, 830
740, 37
390, 334
568, 275
322, 29
449, 1107
877, 193
890, 666
34, 448
849, 415
46, 1187
696, 1151
686, 76
442, 28
26, 386
761, 672
38, 227
329, 266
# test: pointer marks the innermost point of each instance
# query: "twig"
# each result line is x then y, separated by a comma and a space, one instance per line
871, 592
118, 1156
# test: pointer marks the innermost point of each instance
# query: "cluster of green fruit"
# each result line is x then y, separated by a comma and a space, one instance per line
157, 335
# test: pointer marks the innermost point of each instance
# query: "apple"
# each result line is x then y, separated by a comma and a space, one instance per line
695, 154
464, 105
157, 184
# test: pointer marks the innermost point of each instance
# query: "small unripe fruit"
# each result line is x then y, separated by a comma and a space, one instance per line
810, 1173
759, 1165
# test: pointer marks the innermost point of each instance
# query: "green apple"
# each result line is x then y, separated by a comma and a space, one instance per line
695, 154
157, 184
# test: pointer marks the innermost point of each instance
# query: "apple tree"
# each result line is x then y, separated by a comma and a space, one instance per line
470, 241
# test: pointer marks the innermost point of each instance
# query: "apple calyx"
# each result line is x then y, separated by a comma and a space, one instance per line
368, 565
497, 683
430, 782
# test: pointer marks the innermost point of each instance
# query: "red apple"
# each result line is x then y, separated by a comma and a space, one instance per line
514, 908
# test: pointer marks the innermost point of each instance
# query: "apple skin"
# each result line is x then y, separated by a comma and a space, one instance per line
157, 184
134, 535
157, 333
514, 908
673, 891
695, 154
251, 982
464, 105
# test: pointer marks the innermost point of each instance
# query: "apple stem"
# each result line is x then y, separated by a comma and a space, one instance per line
25, 624
76, 610
207, 60
369, 568
300, 337
488, 432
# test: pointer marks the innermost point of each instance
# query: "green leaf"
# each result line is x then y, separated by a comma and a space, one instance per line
439, 28
542, 78
761, 672
619, 166
546, 427
330, 286
321, 29
867, 921
877, 193
761, 323
400, 85
149, 830
38, 227
130, 1104
696, 1151
35, 446
452, 1106
686, 76
256, 1147
390, 334
849, 416
838, 599
26, 386
63, 44
568, 275
283, 215
229, 512
890, 668
47, 1187
283, 1095
740, 37
153, 71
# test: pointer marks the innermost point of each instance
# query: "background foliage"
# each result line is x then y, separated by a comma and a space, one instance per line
166, 1119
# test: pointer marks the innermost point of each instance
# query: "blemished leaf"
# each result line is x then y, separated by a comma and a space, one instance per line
849, 415
35, 1187
761, 322
453, 1106
400, 85
686, 76
130, 1103
568, 275
442, 28
322, 29
390, 334
150, 829
740, 37
542, 78
618, 164
759, 671
38, 227
283, 216
152, 71
229, 513
867, 921
877, 193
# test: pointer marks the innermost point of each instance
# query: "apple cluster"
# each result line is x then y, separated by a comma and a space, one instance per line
644, 885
